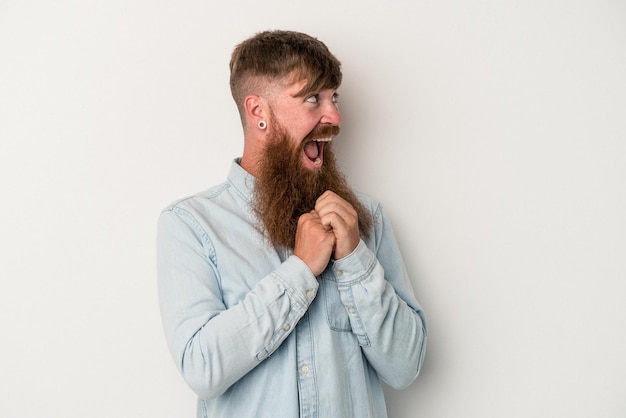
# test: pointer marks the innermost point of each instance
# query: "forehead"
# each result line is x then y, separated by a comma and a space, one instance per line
304, 81
290, 89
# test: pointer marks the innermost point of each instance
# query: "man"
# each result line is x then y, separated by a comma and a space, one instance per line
283, 292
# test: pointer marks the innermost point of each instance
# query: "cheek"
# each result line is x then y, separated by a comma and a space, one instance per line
298, 132
298, 124
306, 127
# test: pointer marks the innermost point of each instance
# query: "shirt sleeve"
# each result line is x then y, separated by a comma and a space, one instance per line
384, 315
212, 345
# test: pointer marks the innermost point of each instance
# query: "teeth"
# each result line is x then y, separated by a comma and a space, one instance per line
317, 161
323, 139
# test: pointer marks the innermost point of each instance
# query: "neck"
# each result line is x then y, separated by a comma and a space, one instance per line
252, 152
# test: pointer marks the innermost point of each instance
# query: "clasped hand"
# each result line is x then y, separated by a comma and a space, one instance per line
331, 229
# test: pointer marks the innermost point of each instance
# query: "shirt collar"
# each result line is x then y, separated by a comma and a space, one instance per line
241, 180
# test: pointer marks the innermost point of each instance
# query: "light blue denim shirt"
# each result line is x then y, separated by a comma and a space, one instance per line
255, 334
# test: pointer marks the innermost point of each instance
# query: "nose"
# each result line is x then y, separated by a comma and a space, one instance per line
331, 114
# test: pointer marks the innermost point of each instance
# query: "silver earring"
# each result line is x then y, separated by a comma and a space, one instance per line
262, 124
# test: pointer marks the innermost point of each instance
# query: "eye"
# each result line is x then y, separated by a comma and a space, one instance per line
335, 98
313, 99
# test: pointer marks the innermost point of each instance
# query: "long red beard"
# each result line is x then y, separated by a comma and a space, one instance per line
285, 190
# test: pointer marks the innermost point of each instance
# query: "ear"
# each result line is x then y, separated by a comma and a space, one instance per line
255, 108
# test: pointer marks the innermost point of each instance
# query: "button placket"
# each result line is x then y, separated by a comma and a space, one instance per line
307, 382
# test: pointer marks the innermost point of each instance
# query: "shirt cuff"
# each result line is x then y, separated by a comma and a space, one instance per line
355, 266
295, 276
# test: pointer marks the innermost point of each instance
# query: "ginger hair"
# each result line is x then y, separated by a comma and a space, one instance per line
283, 57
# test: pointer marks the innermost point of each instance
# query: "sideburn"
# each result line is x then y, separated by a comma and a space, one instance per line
285, 190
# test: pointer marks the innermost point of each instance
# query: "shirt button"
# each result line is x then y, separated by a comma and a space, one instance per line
338, 273
351, 310
305, 369
287, 327
310, 294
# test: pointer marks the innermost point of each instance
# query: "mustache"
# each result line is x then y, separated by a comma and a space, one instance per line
322, 131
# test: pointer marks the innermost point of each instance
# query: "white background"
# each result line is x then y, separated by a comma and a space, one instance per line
492, 131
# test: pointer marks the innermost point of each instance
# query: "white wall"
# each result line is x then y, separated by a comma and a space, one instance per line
493, 132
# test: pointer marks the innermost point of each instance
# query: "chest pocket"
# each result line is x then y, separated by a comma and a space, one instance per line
336, 313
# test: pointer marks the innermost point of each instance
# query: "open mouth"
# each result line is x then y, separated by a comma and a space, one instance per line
314, 150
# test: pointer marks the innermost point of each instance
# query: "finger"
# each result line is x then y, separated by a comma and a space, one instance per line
313, 220
336, 222
332, 202
344, 211
328, 197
